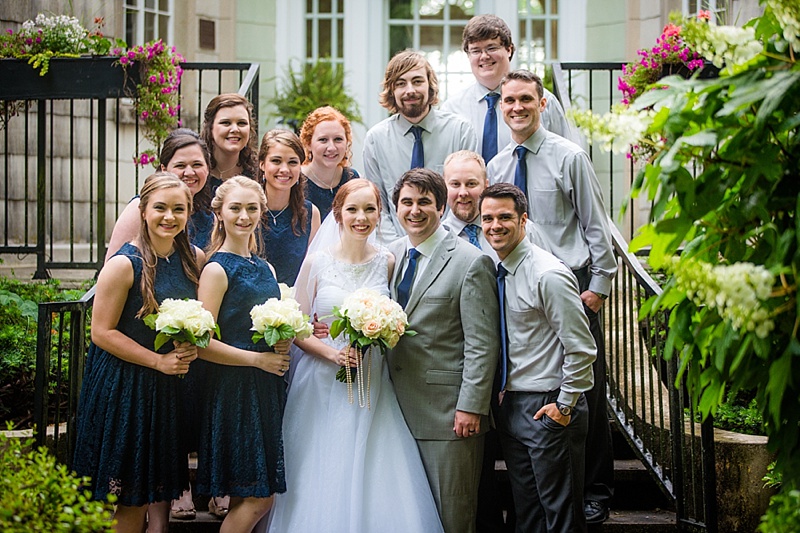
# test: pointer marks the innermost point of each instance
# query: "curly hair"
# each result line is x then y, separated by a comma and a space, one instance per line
401, 63
247, 158
325, 114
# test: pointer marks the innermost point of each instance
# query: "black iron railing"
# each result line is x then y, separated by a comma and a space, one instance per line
67, 166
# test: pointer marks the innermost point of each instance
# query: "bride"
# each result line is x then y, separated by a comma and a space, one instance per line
348, 469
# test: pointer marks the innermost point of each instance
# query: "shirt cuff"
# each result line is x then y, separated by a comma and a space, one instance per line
600, 285
568, 398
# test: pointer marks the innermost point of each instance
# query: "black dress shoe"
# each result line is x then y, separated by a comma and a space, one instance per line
596, 512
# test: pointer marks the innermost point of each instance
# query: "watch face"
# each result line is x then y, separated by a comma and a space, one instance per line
565, 410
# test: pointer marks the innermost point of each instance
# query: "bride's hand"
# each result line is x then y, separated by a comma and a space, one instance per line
320, 328
347, 356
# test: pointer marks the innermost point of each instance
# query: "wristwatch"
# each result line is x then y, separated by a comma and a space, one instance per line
565, 410
601, 295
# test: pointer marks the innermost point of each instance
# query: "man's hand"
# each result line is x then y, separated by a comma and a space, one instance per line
551, 410
592, 300
467, 424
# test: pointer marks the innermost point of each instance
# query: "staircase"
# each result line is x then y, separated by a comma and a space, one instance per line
638, 505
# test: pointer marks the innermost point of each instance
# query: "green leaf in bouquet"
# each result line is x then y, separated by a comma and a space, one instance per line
363, 342
286, 331
410, 332
150, 320
272, 336
169, 330
161, 340
188, 336
219, 335
257, 337
337, 326
203, 340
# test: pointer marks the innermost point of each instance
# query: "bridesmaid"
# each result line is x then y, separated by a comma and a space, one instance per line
185, 155
229, 130
291, 221
327, 139
241, 442
129, 438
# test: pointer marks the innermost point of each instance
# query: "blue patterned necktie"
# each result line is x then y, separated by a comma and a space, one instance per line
404, 289
489, 149
501, 291
521, 174
418, 152
472, 232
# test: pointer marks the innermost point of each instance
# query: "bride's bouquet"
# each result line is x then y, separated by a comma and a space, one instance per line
367, 318
275, 320
182, 321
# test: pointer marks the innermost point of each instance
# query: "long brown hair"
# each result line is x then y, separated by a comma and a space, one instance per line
297, 195
157, 182
401, 63
247, 155
218, 233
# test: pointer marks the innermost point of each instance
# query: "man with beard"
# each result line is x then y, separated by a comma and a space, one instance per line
415, 136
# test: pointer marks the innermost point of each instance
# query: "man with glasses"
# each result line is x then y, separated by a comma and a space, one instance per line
487, 42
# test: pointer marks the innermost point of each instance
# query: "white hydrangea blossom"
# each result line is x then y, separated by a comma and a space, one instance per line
728, 45
616, 130
788, 15
737, 292
59, 27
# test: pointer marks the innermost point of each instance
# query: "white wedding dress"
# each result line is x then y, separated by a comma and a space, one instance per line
348, 469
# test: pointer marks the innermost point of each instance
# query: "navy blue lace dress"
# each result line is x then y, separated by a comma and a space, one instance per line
129, 434
283, 249
199, 228
241, 441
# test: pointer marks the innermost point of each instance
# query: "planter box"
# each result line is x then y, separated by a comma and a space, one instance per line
707, 71
78, 78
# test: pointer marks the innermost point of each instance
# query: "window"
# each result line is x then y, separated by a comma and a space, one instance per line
692, 7
538, 34
434, 27
325, 31
148, 20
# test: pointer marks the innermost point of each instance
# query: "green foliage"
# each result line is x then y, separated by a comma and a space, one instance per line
741, 132
38, 494
314, 85
783, 514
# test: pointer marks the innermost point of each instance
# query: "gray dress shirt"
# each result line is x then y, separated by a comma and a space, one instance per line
550, 346
564, 203
470, 105
387, 155
456, 225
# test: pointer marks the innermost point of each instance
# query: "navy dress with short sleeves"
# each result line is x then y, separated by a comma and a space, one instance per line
241, 440
129, 434
284, 250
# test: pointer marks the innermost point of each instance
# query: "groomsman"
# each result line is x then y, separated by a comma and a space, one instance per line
546, 366
566, 206
415, 136
489, 48
443, 375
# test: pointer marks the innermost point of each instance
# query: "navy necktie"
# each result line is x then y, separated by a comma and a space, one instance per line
501, 291
404, 289
418, 152
472, 232
490, 128
521, 174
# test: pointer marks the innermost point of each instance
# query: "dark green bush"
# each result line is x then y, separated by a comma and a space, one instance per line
39, 494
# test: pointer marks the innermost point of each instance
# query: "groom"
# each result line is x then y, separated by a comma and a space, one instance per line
443, 375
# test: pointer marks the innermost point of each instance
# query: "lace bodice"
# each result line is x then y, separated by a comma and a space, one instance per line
334, 280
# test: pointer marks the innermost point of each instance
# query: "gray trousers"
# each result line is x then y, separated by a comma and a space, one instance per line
545, 462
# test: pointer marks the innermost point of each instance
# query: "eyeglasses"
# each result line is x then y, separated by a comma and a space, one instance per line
477, 52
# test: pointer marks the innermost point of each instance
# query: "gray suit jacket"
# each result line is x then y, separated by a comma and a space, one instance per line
450, 364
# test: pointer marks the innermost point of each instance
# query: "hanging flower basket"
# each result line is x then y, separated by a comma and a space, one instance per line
78, 78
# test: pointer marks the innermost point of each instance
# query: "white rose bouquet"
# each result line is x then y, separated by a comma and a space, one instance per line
182, 321
275, 320
287, 292
369, 318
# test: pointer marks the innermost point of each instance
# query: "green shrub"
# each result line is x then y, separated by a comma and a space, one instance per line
783, 514
38, 494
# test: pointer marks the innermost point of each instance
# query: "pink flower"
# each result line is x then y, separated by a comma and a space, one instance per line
144, 115
704, 14
153, 79
671, 30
